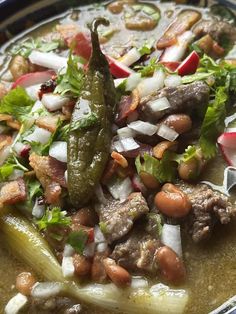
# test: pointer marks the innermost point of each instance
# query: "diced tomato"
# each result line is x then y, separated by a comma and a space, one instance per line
172, 65
189, 65
81, 45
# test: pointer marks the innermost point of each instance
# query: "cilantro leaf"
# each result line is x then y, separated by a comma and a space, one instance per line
72, 81
78, 240
150, 68
190, 152
213, 123
17, 103
53, 217
8, 167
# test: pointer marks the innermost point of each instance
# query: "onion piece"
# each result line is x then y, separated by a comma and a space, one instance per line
67, 267
21, 149
125, 132
142, 127
167, 133
229, 178
159, 104
45, 290
171, 237
4, 154
98, 235
150, 85
38, 209
39, 135
102, 247
128, 144
68, 250
53, 102
139, 282
37, 105
173, 80
15, 304
33, 91
227, 142
130, 57
120, 189
119, 81
89, 249
132, 81
48, 60
58, 150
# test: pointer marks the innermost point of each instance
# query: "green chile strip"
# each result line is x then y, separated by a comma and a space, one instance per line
88, 149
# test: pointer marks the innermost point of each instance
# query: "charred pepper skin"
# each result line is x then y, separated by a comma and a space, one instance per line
88, 149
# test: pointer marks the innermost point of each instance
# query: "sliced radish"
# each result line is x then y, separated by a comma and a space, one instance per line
172, 65
189, 65
48, 60
227, 143
118, 69
34, 78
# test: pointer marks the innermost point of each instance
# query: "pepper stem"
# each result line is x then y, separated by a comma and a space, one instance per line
94, 33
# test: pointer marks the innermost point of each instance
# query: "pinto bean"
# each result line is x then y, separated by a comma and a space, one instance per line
189, 170
116, 7
98, 272
25, 282
171, 266
18, 66
172, 202
161, 147
181, 123
116, 273
82, 265
149, 180
85, 216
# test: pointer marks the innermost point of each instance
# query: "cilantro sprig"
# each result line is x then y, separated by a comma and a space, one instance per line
53, 217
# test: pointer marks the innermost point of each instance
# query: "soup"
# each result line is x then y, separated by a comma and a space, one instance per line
116, 193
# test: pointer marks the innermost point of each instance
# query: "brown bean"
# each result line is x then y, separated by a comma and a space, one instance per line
171, 266
18, 67
98, 272
149, 180
85, 216
116, 7
172, 202
189, 170
25, 282
181, 123
116, 273
161, 147
82, 265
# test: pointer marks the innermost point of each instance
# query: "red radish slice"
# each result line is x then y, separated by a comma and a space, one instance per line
34, 78
189, 65
227, 143
172, 65
81, 45
118, 69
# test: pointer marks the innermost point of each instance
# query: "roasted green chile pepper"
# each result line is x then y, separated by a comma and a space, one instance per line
88, 148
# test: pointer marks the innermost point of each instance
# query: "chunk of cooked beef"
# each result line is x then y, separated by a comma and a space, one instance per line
13, 192
137, 252
119, 217
51, 174
208, 207
218, 30
184, 98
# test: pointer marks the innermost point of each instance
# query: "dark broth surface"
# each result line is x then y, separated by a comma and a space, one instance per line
211, 267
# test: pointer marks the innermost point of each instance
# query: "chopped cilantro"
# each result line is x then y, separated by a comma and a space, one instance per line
150, 68
7, 168
53, 217
78, 240
189, 153
103, 227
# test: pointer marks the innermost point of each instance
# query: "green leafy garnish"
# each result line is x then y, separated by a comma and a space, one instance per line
26, 47
53, 217
17, 103
72, 81
34, 188
78, 240
146, 49
103, 227
163, 170
189, 153
150, 68
213, 123
10, 164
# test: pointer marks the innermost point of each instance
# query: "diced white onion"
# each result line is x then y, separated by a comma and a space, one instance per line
117, 146
101, 247
159, 104
15, 304
5, 152
132, 81
48, 60
39, 135
68, 250
67, 266
129, 144
142, 127
167, 133
58, 150
98, 235
130, 57
45, 290
17, 173
150, 85
121, 189
37, 105
53, 102
100, 195
119, 81
33, 90
89, 250
139, 282
171, 237
173, 80
38, 209
125, 132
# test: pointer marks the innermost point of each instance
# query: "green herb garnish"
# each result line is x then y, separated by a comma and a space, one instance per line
53, 217
78, 240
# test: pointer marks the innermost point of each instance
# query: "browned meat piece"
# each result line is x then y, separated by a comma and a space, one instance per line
50, 173
49, 123
137, 252
218, 30
208, 207
183, 98
13, 192
119, 218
